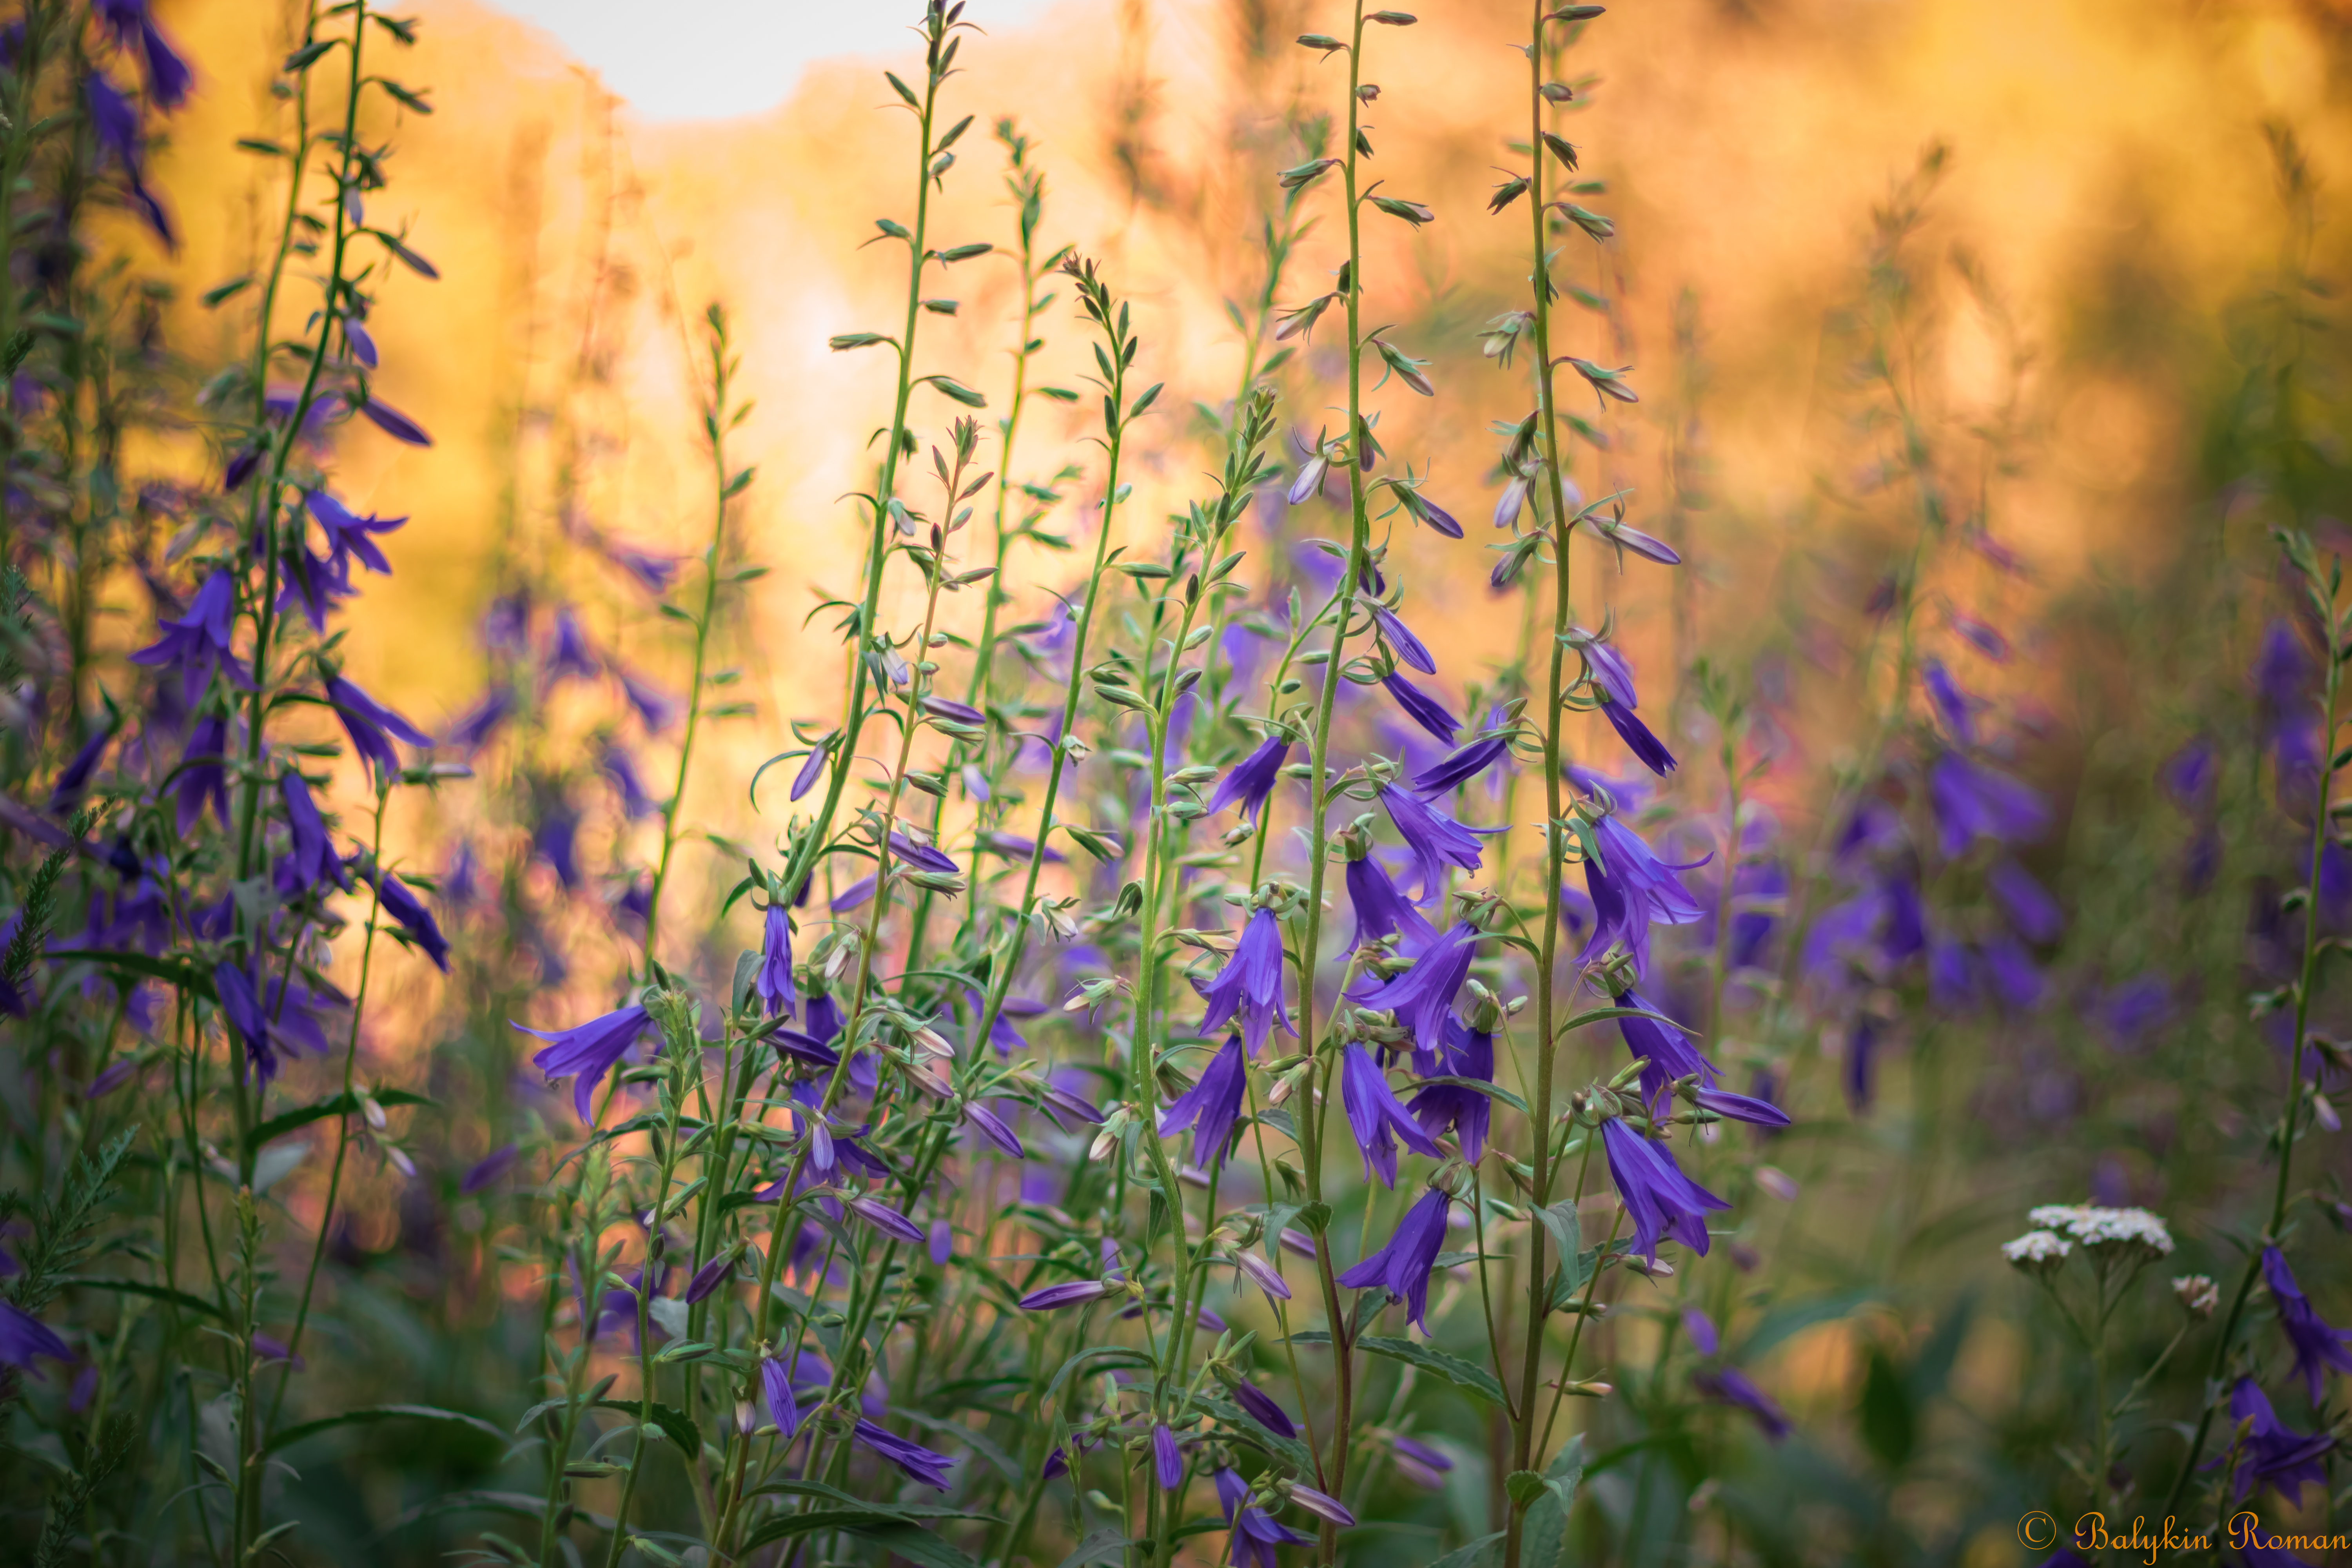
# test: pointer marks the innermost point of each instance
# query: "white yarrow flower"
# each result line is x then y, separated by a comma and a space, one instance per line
2037, 1248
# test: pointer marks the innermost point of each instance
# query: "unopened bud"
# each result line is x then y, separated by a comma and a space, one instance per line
2197, 1294
1778, 1182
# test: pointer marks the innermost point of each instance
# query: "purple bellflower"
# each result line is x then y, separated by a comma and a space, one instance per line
774, 982
1647, 749
1380, 909
1068, 1293
1252, 779
1250, 984
1262, 1410
132, 27
919, 1463
1666, 1050
2317, 1344
1408, 649
1435, 840
394, 422
24, 1336
1664, 1204
1422, 708
197, 643
73, 779
1632, 890
1167, 1460
1469, 1053
312, 860
776, 1384
586, 1052
347, 535
1402, 1267
203, 774
2033, 914
1954, 708
404, 906
369, 723
1255, 1532
1210, 1107
2274, 1454
1466, 762
1423, 996
1377, 1118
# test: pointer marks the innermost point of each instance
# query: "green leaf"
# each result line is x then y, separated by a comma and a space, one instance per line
1452, 1368
948, 386
1524, 1487
346, 1104
215, 295
1888, 1422
1101, 1546
1560, 1220
1544, 1535
916, 1544
136, 1287
1464, 1556
368, 1415
1133, 1358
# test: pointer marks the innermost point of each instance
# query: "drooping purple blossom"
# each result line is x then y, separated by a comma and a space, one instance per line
404, 906
1255, 1532
1463, 764
586, 1052
1250, 984
1409, 649
1663, 1203
991, 1127
198, 643
1435, 840
1210, 1107
919, 1463
1667, 1051
348, 535
1068, 1293
1955, 709
2317, 1344
310, 861
2033, 914
24, 1336
2274, 1454
1377, 1118
1647, 749
885, 1218
1380, 909
203, 775
133, 28
1402, 1267
1469, 1053
394, 422
73, 779
371, 725
1422, 708
773, 982
1252, 779
1167, 1460
1423, 996
783, 1408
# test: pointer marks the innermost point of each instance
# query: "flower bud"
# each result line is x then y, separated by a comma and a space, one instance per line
2197, 1294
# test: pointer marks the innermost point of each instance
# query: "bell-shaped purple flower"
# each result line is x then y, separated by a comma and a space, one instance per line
1377, 1118
404, 906
991, 1127
1647, 749
1466, 762
312, 860
657, 710
1423, 996
1422, 708
1667, 1051
2316, 1345
1210, 1107
198, 643
784, 1409
394, 422
1435, 840
1469, 1053
1409, 649
1729, 1385
369, 723
773, 982
1262, 1410
1402, 1267
133, 28
1380, 909
203, 775
24, 1336
348, 534
1167, 1460
919, 1463
586, 1052
1068, 1293
571, 657
2274, 1454
73, 779
1252, 779
1664, 1204
1250, 984
1611, 673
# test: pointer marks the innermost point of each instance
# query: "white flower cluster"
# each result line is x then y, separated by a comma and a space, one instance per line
2097, 1227
2037, 1248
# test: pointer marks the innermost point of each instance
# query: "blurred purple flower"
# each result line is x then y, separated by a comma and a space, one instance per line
773, 982
405, 907
2316, 1345
2033, 914
368, 723
1953, 707
1435, 840
919, 1463
395, 423
347, 534
24, 1336
1972, 801
2274, 1454
657, 710
488, 1169
197, 643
